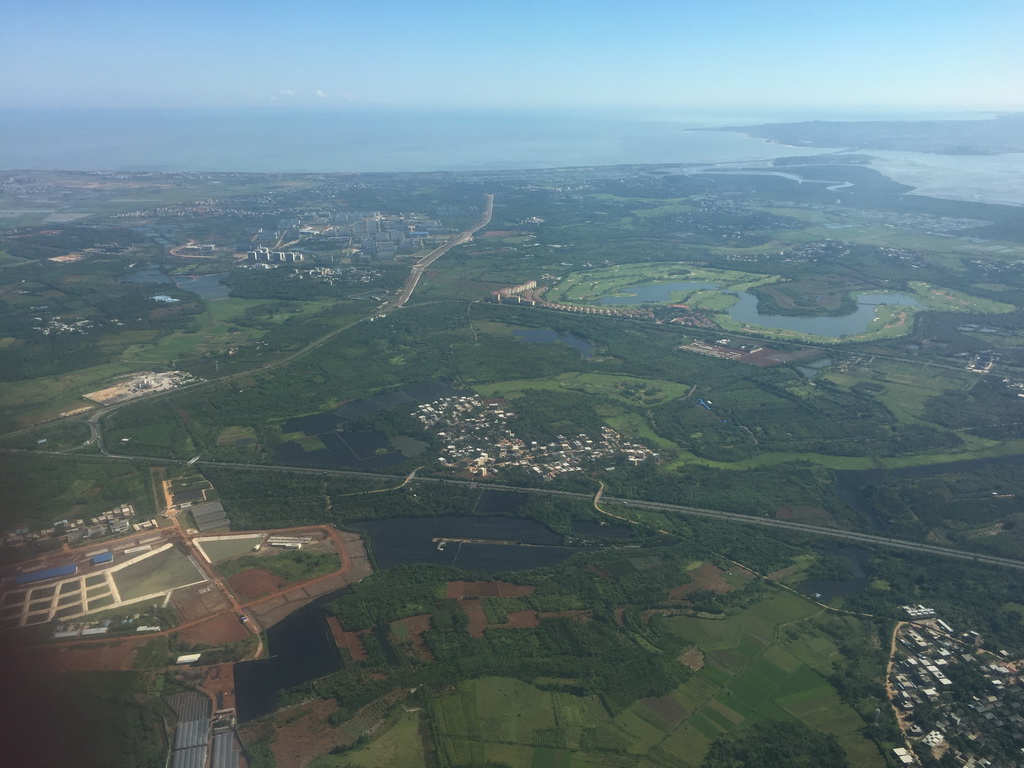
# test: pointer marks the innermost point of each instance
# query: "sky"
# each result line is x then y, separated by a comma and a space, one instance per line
681, 55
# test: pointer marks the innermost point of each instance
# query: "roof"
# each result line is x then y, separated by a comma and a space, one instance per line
190, 705
47, 573
208, 515
225, 753
194, 757
194, 733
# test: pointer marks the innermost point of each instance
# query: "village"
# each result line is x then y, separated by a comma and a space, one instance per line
951, 696
478, 441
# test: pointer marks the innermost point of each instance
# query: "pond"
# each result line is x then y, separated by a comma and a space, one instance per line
147, 275
206, 286
654, 292
549, 336
402, 541
301, 648
745, 311
826, 589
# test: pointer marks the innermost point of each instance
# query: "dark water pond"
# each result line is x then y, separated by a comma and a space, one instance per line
592, 528
411, 540
206, 286
301, 648
549, 336
656, 292
826, 589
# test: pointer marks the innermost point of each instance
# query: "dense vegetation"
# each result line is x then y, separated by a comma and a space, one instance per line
776, 745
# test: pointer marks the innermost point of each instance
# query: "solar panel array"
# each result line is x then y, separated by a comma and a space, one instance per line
209, 515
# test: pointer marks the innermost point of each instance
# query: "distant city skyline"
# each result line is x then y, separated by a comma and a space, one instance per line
791, 55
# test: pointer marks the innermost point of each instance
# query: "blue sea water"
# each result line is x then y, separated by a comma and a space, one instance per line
360, 140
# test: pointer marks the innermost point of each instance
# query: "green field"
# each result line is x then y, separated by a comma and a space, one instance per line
765, 662
158, 573
629, 390
291, 566
227, 548
399, 745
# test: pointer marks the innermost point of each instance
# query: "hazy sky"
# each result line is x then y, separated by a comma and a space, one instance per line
682, 54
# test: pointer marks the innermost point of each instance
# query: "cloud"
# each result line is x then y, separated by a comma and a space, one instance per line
319, 94
286, 92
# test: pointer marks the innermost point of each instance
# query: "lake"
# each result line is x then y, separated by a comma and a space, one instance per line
549, 336
745, 311
206, 286
654, 292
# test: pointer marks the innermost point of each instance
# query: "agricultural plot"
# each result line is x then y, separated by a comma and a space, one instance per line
156, 574
510, 721
750, 675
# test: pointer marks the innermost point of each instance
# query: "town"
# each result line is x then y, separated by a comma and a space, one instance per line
950, 695
478, 441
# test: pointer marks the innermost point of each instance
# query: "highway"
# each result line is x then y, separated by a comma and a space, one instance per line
417, 271
859, 537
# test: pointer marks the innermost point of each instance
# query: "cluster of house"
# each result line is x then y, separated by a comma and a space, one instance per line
57, 325
980, 727
477, 440
116, 520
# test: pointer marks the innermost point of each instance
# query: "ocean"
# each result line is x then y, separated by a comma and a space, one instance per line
363, 140
360, 141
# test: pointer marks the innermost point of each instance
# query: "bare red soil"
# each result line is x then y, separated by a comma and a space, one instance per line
219, 683
255, 582
350, 640
477, 617
225, 628
115, 656
707, 577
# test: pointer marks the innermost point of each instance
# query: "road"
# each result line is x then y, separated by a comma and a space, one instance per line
93, 418
713, 514
417, 270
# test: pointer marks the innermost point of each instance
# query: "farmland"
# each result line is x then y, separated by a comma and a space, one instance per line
769, 661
